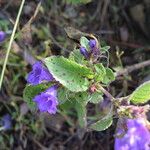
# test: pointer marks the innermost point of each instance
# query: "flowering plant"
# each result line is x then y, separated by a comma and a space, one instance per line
59, 84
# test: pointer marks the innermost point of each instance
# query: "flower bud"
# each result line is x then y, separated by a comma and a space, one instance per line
84, 52
92, 44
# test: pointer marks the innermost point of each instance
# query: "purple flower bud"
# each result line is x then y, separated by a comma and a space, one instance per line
39, 74
47, 101
92, 44
136, 138
84, 52
6, 122
2, 36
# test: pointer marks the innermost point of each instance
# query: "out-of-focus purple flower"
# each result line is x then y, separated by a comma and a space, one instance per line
39, 74
94, 49
84, 52
6, 122
136, 138
2, 36
92, 44
47, 101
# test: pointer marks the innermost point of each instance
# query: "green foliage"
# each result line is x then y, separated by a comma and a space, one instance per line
100, 72
84, 43
70, 74
77, 1
4, 25
103, 74
76, 56
69, 104
109, 77
102, 124
31, 91
80, 106
81, 113
62, 95
141, 94
95, 98
105, 48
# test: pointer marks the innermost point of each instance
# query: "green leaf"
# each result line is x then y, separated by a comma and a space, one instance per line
80, 106
81, 112
76, 56
70, 74
95, 98
109, 77
69, 104
64, 94
105, 49
100, 72
85, 43
31, 91
102, 124
141, 94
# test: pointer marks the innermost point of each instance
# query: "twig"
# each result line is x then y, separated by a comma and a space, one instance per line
105, 7
106, 93
10, 43
134, 67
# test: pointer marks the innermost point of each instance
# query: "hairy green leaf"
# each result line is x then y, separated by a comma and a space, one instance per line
84, 43
76, 56
70, 74
80, 106
100, 72
105, 49
95, 98
102, 124
141, 94
109, 77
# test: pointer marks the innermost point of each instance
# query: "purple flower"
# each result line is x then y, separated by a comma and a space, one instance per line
94, 49
39, 74
47, 101
84, 52
136, 138
92, 44
2, 36
6, 122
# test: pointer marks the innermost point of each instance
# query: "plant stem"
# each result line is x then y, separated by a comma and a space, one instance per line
10, 42
106, 93
134, 67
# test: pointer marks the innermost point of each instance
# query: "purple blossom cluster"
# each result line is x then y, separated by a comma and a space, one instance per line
93, 49
137, 136
46, 101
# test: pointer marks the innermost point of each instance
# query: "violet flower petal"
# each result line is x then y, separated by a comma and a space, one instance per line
92, 44
47, 101
136, 138
39, 74
84, 52
2, 36
6, 122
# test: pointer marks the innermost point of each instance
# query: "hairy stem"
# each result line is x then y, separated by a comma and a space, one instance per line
106, 93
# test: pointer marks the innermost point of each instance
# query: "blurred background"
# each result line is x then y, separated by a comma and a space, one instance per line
124, 25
